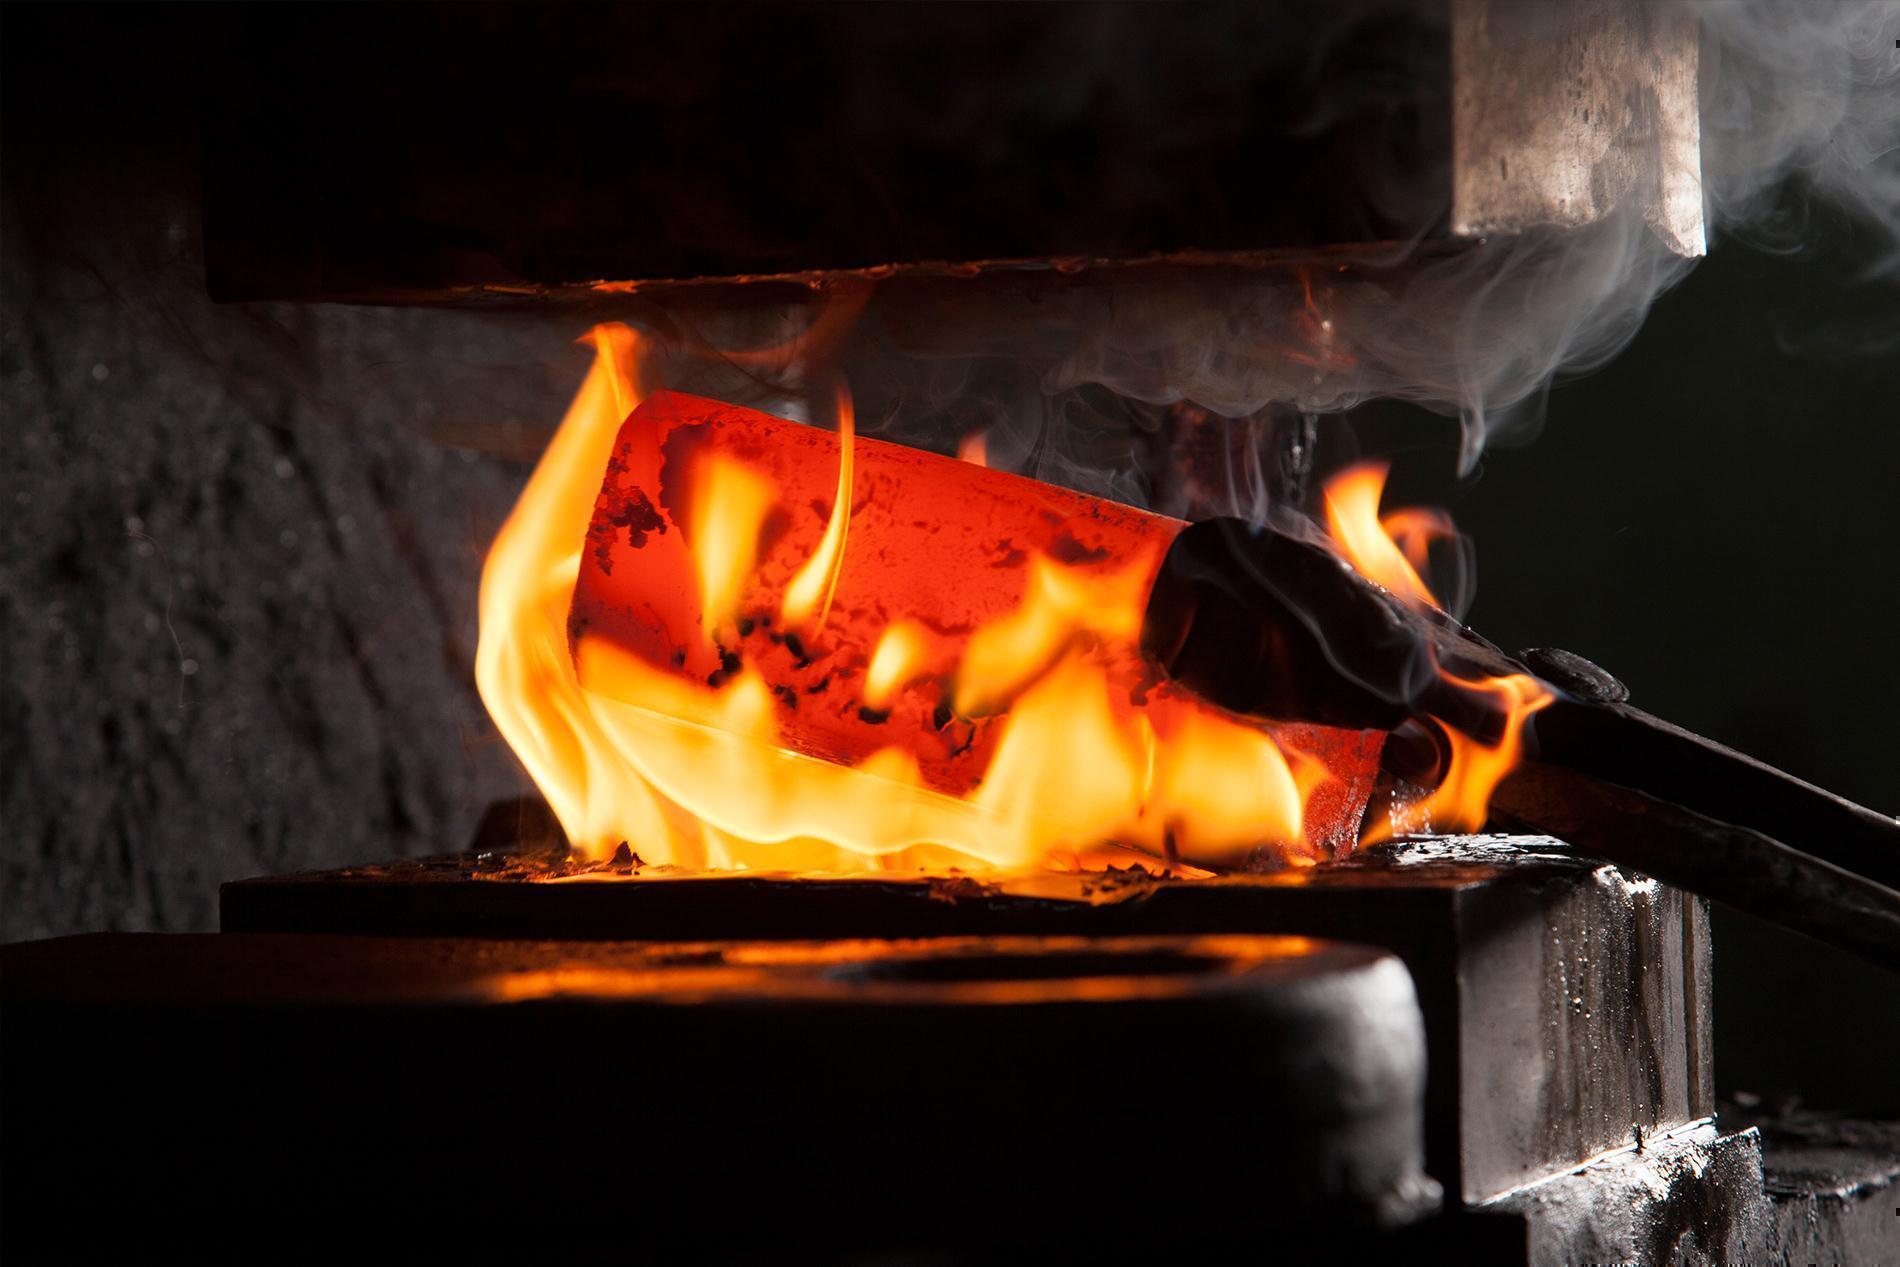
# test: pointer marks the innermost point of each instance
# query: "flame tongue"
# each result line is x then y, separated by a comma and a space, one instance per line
1388, 550
808, 597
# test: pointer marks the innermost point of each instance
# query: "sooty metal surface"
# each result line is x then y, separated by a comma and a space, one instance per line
1832, 1183
1037, 1098
413, 152
1692, 1198
1567, 1004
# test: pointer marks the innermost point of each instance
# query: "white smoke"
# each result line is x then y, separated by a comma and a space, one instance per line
1800, 104
1073, 377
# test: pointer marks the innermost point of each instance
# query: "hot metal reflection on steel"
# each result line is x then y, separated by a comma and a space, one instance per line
946, 971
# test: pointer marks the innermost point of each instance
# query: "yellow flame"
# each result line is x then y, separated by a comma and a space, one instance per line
711, 753
1062, 605
902, 656
1352, 517
1413, 530
695, 775
522, 666
811, 590
1462, 798
1063, 734
1389, 551
1222, 788
730, 503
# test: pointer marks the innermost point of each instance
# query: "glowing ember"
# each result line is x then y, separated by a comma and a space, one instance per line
806, 654
978, 649
771, 645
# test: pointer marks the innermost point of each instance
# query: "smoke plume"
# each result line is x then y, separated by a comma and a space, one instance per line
1085, 380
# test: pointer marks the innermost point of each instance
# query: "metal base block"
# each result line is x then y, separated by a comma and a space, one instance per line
1833, 1187
1692, 1198
1566, 1004
966, 1100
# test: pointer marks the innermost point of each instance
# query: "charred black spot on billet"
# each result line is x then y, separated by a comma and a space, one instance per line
786, 696
746, 626
1067, 550
873, 716
729, 666
796, 645
639, 517
818, 687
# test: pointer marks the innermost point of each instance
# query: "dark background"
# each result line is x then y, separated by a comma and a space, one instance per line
241, 544
1715, 517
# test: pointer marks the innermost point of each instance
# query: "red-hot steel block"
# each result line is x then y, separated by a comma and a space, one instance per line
932, 539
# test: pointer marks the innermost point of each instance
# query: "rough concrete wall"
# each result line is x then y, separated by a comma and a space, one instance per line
238, 631
239, 547
235, 642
